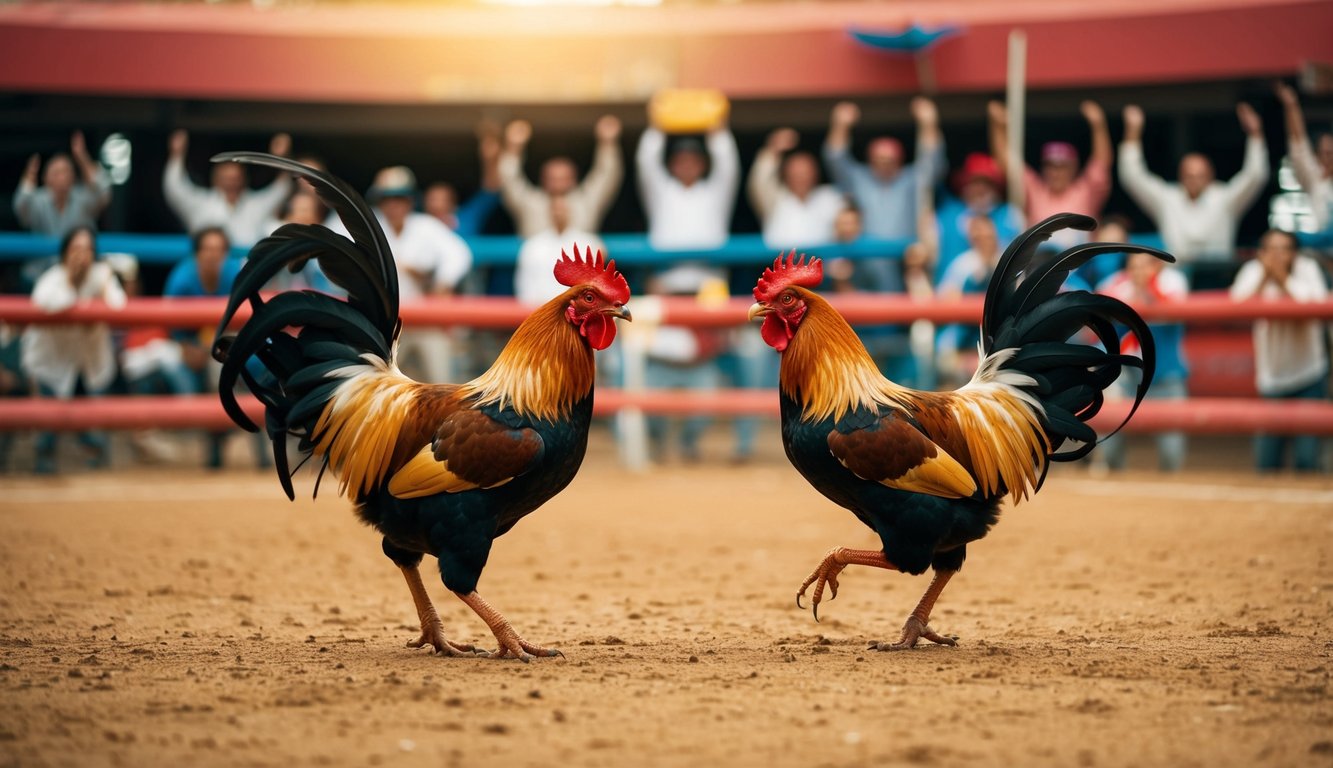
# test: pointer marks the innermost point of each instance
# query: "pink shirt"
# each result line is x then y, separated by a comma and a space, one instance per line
1086, 195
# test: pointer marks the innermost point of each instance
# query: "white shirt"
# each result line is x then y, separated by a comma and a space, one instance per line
199, 207
789, 221
968, 266
1310, 173
426, 246
1288, 354
693, 217
534, 275
1203, 229
55, 355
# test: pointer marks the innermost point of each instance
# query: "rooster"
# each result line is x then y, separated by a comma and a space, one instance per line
927, 470
438, 469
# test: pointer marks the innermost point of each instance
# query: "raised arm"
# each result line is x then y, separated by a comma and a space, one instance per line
929, 141
998, 131
764, 184
649, 162
94, 177
27, 188
275, 194
182, 195
1245, 186
1303, 161
608, 166
489, 147
726, 160
1147, 188
1101, 154
514, 186
838, 144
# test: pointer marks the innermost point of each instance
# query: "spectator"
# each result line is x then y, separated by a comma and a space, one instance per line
534, 282
888, 192
431, 259
1144, 281
1196, 216
1290, 356
888, 344
689, 206
61, 204
796, 210
151, 363
66, 360
588, 202
208, 272
469, 219
1114, 228
303, 208
969, 274
1059, 187
1315, 173
228, 203
979, 184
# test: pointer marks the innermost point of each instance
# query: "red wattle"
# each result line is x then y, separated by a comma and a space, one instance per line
599, 330
775, 332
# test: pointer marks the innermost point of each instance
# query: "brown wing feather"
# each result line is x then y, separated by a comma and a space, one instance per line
470, 450
895, 453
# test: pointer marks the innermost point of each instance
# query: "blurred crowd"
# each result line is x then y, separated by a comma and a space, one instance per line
958, 222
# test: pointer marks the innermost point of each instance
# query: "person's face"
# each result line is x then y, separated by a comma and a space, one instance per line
885, 159
395, 210
78, 257
1326, 153
687, 166
980, 195
440, 202
800, 174
302, 184
210, 256
1277, 252
305, 209
1058, 175
847, 226
1111, 232
229, 178
558, 176
59, 175
981, 236
1196, 173
1142, 268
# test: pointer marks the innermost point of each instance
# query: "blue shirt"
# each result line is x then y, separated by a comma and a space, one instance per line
183, 282
473, 214
952, 218
888, 208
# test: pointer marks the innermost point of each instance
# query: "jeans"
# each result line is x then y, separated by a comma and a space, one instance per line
47, 441
1269, 450
703, 376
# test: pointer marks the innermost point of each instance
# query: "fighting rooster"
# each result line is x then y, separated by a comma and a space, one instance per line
927, 470
439, 469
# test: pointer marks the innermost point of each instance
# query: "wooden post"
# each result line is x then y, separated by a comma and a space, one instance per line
1015, 96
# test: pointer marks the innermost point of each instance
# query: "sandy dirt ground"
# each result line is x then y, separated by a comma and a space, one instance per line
172, 617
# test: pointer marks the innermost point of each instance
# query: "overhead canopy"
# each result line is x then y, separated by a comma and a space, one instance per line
414, 54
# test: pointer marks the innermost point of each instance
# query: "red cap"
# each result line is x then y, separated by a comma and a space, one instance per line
979, 165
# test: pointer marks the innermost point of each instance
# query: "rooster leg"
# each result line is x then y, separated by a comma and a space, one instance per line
510, 643
432, 629
918, 624
832, 565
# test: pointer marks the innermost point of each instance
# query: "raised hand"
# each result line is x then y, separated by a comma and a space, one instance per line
517, 133
1092, 112
997, 112
924, 111
30, 170
782, 140
1249, 120
178, 143
1286, 94
845, 114
607, 128
1133, 122
77, 146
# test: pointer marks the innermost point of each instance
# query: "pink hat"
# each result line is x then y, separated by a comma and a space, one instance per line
1059, 152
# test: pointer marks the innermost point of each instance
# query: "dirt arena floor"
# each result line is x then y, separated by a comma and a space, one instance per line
171, 617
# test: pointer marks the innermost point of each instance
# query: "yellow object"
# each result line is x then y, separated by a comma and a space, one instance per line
688, 110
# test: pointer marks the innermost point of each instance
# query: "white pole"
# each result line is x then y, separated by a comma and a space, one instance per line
1015, 99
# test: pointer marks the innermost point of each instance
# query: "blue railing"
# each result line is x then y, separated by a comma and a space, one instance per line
628, 250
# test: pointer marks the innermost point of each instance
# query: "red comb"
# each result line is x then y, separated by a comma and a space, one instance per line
593, 271
793, 271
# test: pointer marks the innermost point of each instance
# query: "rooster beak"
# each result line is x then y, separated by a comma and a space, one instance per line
758, 309
621, 311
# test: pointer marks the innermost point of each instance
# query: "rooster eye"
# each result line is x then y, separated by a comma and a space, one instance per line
787, 298
587, 296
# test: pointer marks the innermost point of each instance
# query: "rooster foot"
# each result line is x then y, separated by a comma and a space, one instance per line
513, 646
825, 575
433, 635
913, 631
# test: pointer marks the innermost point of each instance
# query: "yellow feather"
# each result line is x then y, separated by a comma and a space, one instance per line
940, 476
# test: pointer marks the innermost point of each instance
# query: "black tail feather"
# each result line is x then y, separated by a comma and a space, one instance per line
286, 369
1025, 311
